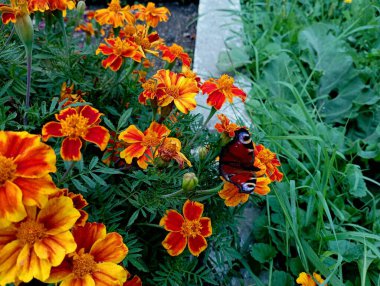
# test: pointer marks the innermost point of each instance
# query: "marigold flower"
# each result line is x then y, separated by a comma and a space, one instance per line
95, 259
226, 126
112, 153
171, 149
142, 144
189, 229
187, 72
87, 28
219, 90
78, 201
114, 15
29, 248
76, 124
146, 41
150, 14
176, 88
135, 281
305, 279
170, 54
17, 9
25, 164
149, 92
269, 159
232, 196
51, 5
116, 51
67, 92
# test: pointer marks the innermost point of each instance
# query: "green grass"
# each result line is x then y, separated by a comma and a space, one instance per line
315, 101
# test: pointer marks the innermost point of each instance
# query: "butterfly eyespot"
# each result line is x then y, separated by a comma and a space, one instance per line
245, 138
248, 187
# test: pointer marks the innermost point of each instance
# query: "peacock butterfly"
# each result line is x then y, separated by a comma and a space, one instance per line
236, 162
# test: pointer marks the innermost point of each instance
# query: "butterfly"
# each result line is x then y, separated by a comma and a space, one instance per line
236, 162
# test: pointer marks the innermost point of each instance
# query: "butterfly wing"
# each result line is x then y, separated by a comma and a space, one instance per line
236, 162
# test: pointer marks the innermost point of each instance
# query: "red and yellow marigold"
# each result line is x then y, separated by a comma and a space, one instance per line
95, 259
189, 229
305, 279
68, 94
51, 5
170, 149
149, 92
270, 161
76, 124
31, 247
170, 54
16, 10
25, 164
226, 126
114, 15
150, 14
220, 89
116, 50
176, 88
142, 144
135, 281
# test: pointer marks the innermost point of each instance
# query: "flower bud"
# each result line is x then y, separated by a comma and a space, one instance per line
202, 152
189, 182
81, 6
24, 30
160, 163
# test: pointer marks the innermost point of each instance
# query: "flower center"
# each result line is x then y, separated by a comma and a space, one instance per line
266, 156
168, 151
225, 83
176, 50
74, 126
30, 232
145, 44
120, 46
191, 228
114, 7
172, 91
129, 30
7, 169
150, 86
150, 140
83, 264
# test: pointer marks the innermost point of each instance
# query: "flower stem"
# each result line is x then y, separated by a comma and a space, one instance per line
210, 191
129, 71
72, 164
173, 194
211, 114
28, 84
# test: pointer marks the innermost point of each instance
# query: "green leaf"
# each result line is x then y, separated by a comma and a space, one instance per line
109, 123
263, 252
124, 118
282, 278
93, 162
355, 181
88, 181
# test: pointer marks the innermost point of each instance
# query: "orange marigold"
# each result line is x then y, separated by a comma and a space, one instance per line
114, 15
135, 281
67, 92
189, 229
116, 50
142, 145
150, 14
305, 279
87, 28
16, 10
269, 159
51, 5
170, 54
171, 149
226, 126
76, 124
219, 90
31, 247
149, 92
176, 88
95, 259
25, 164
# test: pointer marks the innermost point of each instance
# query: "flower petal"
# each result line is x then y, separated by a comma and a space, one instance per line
51, 129
59, 215
206, 229
192, 210
216, 99
197, 245
70, 150
135, 150
108, 273
72, 280
8, 259
53, 248
160, 129
109, 249
63, 114
172, 221
11, 206
98, 135
35, 191
60, 272
174, 243
131, 135
92, 114
29, 266
85, 236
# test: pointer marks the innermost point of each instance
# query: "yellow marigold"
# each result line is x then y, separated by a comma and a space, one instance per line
170, 149
25, 164
150, 14
305, 279
269, 159
95, 259
226, 126
31, 247
16, 10
114, 15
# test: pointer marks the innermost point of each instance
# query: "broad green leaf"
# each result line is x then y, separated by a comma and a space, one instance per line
355, 181
263, 252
